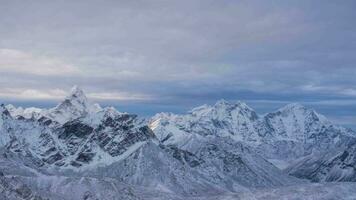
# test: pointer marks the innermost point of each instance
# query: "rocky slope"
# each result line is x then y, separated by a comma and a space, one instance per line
13, 189
329, 166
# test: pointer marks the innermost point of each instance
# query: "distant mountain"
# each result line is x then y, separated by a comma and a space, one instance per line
289, 133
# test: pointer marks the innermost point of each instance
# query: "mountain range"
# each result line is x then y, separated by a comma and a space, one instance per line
216, 151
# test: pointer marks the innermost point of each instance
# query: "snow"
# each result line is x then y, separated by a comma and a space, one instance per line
292, 127
280, 164
220, 151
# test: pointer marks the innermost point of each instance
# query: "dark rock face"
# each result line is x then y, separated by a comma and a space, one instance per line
75, 129
113, 135
185, 157
53, 158
117, 134
85, 157
45, 121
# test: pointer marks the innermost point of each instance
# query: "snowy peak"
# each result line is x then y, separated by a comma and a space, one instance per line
75, 133
226, 105
299, 114
293, 106
76, 99
222, 102
27, 113
287, 133
74, 106
295, 109
78, 95
223, 119
223, 109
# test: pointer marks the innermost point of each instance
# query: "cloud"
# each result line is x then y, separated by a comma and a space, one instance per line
178, 52
24, 93
345, 120
58, 94
335, 89
17, 61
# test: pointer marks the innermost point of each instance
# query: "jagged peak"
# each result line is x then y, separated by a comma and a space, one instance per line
76, 98
293, 106
224, 108
4, 111
166, 116
77, 93
10, 106
222, 102
73, 106
238, 104
301, 111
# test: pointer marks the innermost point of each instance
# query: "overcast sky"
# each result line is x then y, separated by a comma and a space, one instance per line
151, 56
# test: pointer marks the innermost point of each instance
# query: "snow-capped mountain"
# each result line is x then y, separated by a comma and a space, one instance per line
211, 150
72, 134
289, 133
80, 139
223, 119
295, 131
74, 106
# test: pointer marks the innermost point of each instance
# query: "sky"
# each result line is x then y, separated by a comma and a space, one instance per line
170, 56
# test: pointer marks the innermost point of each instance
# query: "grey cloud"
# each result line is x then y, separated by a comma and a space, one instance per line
187, 52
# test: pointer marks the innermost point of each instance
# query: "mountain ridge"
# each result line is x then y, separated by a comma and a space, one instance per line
225, 147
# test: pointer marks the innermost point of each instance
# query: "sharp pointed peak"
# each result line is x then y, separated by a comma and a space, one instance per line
75, 88
76, 98
222, 102
76, 91
293, 106
76, 95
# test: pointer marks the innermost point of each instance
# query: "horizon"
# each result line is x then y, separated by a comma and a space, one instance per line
146, 58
